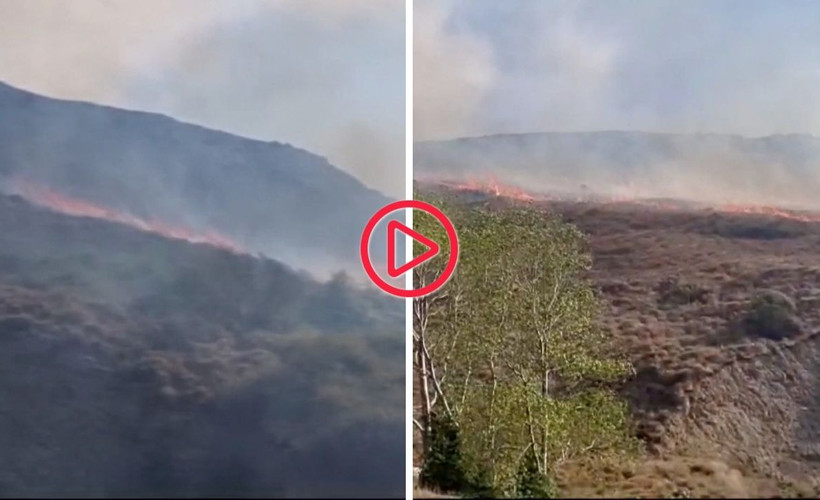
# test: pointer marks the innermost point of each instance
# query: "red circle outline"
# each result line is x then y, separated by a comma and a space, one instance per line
365, 248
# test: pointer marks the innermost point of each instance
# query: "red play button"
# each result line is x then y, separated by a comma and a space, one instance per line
395, 270
432, 249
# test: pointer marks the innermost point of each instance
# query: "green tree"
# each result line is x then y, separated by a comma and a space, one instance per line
517, 324
431, 355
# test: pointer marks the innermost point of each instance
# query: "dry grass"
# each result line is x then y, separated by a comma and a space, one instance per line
709, 390
661, 478
423, 493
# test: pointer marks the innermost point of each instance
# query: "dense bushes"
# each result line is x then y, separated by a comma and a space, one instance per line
443, 466
443, 469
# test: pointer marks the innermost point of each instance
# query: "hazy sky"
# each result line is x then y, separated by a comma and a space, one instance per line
324, 75
749, 67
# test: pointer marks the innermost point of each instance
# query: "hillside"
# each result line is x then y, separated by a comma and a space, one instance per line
136, 365
776, 170
270, 197
717, 311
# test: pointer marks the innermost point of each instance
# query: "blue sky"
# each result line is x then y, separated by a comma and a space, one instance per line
742, 67
324, 75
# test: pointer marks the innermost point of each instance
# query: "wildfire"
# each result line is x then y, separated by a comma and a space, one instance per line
771, 211
491, 186
53, 200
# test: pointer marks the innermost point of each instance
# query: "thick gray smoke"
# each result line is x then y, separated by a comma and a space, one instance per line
715, 169
741, 68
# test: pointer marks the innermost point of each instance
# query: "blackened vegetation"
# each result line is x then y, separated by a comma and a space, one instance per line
132, 365
772, 315
753, 227
672, 292
654, 396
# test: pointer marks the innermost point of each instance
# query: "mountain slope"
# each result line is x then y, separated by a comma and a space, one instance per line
271, 197
135, 365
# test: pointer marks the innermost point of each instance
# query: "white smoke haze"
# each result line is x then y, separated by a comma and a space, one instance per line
748, 68
715, 169
739, 69
326, 76
452, 73
322, 75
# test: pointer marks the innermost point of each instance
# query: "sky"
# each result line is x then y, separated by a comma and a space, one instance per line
746, 67
324, 75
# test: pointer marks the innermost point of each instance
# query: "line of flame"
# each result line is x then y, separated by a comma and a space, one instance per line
491, 186
49, 198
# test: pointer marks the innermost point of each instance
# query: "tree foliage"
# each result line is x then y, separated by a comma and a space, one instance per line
509, 347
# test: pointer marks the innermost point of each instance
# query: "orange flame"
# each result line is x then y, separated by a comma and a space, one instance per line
770, 211
53, 200
491, 186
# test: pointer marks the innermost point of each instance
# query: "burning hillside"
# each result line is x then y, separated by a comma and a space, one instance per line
771, 211
147, 366
48, 198
491, 187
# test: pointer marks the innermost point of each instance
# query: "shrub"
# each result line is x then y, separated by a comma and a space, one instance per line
481, 485
771, 315
674, 293
531, 483
442, 468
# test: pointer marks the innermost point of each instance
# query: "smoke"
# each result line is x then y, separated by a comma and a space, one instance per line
323, 75
737, 67
716, 169
452, 73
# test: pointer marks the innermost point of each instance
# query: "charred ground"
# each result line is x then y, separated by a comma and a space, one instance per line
718, 314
